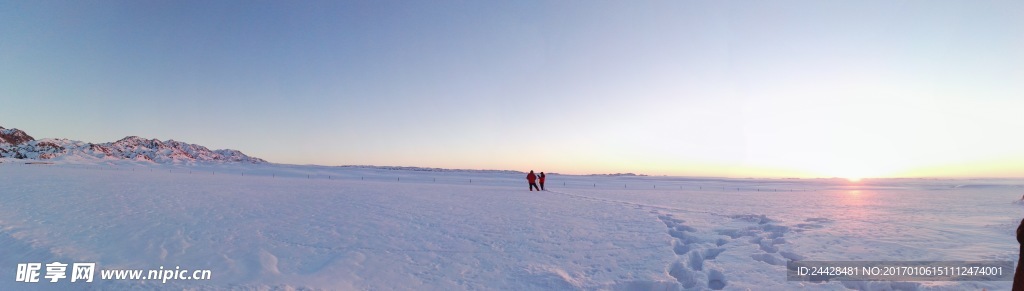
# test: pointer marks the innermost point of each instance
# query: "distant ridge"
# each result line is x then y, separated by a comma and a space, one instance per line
619, 175
17, 144
425, 169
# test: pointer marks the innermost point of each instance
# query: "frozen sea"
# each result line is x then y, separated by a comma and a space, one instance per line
287, 227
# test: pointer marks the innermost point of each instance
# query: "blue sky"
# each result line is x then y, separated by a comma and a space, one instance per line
711, 88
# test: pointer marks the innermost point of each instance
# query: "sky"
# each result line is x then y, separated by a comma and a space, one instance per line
854, 89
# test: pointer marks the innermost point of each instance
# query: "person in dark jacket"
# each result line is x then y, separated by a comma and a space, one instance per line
1018, 275
541, 179
532, 178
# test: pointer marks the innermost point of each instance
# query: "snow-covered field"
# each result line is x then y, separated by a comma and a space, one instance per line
269, 227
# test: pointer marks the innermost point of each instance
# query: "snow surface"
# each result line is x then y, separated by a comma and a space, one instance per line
269, 226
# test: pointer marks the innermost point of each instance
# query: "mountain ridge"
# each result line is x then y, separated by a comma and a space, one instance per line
17, 144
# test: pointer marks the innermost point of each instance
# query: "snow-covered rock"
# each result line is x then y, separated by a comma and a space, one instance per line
13, 136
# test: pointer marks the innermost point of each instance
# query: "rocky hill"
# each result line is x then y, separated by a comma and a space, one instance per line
17, 144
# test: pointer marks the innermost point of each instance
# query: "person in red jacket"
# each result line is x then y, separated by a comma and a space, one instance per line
532, 178
541, 178
1018, 274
